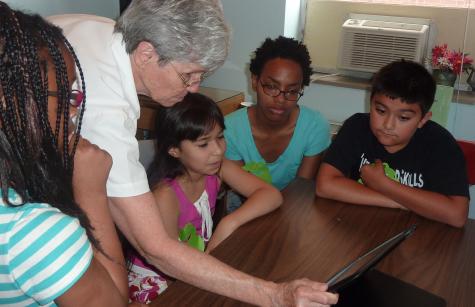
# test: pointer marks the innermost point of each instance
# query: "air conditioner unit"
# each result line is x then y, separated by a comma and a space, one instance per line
369, 42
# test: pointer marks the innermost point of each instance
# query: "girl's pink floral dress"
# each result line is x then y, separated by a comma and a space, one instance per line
144, 284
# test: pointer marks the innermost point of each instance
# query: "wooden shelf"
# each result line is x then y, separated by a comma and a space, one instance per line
460, 96
227, 100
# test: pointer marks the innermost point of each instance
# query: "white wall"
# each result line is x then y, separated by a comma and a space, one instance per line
106, 8
251, 22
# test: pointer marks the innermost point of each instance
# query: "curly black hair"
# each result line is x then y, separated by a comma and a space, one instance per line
285, 48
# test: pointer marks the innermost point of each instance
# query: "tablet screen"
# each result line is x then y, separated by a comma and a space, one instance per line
367, 261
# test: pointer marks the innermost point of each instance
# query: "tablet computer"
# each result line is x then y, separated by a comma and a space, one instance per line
358, 267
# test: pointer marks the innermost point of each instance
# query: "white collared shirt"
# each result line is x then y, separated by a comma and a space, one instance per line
112, 105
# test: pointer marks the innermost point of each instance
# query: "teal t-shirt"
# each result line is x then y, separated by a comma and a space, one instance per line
311, 137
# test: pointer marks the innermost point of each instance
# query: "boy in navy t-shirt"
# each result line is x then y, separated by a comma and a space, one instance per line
395, 156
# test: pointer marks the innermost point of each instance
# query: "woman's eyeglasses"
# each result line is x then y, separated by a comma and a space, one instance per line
75, 100
273, 91
186, 79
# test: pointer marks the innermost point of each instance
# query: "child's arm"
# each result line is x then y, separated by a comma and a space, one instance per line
91, 169
261, 199
239, 163
452, 210
94, 288
315, 143
169, 209
309, 166
332, 184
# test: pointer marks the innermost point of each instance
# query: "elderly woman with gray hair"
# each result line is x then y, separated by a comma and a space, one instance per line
161, 49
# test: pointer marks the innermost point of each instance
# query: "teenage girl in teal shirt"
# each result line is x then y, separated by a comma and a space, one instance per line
276, 138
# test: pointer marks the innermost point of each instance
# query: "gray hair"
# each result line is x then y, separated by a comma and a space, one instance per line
181, 30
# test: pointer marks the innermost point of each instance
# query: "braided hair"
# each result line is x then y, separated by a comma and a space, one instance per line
31, 161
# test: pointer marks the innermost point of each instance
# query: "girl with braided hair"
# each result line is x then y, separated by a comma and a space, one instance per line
51, 180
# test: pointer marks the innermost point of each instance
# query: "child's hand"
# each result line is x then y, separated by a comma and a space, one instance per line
373, 175
378, 174
223, 230
91, 168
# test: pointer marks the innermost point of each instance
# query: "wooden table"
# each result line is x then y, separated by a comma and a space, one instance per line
312, 237
227, 100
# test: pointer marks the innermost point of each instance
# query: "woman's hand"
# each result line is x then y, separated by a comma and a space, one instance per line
304, 292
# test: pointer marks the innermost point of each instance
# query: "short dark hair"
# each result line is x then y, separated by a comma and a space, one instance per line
406, 80
194, 116
285, 48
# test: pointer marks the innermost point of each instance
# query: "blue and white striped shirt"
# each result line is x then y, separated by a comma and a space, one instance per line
43, 253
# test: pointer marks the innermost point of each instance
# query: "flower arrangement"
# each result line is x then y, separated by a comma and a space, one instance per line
450, 60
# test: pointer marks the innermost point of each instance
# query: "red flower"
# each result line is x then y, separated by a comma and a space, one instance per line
450, 60
438, 51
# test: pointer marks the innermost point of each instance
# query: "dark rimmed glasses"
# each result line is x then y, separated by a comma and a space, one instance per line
186, 79
273, 91
75, 99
